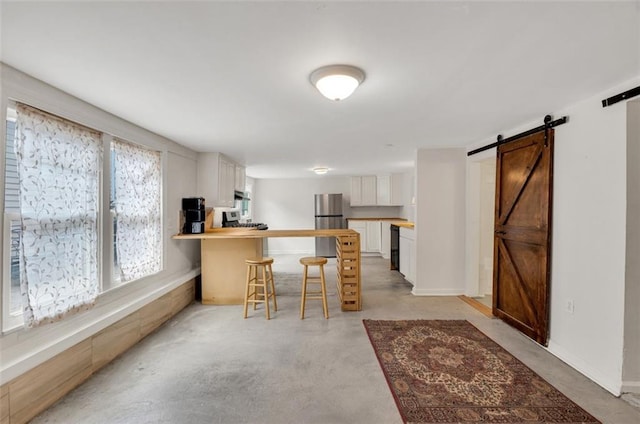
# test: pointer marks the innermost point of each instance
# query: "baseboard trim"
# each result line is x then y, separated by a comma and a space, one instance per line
630, 387
435, 292
582, 367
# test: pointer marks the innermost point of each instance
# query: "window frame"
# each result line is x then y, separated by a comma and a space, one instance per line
106, 247
109, 215
10, 320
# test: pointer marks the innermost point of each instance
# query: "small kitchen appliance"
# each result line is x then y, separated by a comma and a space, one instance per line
194, 215
232, 219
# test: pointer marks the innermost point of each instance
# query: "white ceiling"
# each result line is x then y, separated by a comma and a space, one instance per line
232, 77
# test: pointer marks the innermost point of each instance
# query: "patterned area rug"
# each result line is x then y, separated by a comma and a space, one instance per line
450, 372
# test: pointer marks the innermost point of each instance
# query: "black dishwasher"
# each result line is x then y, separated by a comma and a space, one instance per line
395, 247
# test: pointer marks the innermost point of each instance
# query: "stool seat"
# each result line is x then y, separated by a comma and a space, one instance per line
322, 293
258, 261
260, 286
311, 260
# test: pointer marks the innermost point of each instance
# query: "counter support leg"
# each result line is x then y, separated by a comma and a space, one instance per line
348, 263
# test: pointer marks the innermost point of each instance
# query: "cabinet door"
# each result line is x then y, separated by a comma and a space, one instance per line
231, 183
369, 193
385, 239
374, 236
361, 228
356, 191
222, 183
240, 178
407, 255
383, 190
404, 256
226, 180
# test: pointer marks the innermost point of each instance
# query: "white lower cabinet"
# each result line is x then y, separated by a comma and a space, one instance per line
407, 254
361, 228
370, 235
374, 237
385, 239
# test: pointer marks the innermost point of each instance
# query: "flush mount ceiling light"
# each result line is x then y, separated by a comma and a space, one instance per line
320, 170
337, 82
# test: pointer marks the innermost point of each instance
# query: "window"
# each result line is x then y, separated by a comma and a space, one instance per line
59, 165
136, 207
52, 264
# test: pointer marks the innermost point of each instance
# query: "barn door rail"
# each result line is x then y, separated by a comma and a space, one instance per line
548, 123
620, 97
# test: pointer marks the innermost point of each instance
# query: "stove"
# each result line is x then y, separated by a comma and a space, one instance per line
232, 219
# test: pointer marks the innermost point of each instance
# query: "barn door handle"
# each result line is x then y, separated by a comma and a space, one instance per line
501, 232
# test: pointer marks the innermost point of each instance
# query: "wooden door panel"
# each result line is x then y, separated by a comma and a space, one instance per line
519, 165
528, 211
522, 276
522, 234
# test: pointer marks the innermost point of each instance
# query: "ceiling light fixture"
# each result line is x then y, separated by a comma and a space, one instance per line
320, 171
337, 82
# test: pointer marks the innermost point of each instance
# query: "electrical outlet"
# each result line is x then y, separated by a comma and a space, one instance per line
570, 306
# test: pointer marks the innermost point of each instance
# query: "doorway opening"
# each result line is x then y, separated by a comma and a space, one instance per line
485, 232
481, 177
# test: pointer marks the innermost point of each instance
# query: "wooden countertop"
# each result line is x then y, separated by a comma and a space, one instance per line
376, 219
404, 224
242, 233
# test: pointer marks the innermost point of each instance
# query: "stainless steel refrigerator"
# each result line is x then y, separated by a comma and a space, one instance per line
328, 214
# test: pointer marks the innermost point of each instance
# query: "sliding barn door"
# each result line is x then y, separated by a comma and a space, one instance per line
522, 248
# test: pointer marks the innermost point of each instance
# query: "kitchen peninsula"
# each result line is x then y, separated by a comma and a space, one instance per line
224, 250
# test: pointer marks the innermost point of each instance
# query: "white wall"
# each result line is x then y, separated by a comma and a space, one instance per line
591, 266
289, 204
588, 239
22, 350
181, 175
440, 222
631, 349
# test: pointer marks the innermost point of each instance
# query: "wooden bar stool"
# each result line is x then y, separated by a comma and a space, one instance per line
259, 290
322, 293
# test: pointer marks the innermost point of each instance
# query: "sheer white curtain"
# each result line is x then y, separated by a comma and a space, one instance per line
137, 183
59, 166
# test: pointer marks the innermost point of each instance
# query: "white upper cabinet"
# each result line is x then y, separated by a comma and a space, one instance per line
241, 178
383, 195
227, 172
382, 190
217, 179
356, 191
369, 190
390, 190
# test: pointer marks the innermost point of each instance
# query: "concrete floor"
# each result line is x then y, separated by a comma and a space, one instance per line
208, 365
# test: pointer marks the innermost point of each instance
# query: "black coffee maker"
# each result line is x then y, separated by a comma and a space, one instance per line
194, 215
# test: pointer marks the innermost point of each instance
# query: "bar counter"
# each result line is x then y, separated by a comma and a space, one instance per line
224, 250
